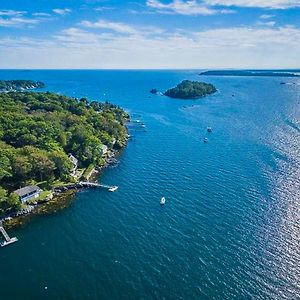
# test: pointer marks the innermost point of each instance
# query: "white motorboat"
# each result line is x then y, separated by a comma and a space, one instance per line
113, 189
162, 201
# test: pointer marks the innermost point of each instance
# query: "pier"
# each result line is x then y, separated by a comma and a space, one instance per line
84, 184
136, 125
7, 239
94, 184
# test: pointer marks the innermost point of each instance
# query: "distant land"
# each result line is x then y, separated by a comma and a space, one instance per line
19, 85
191, 90
266, 73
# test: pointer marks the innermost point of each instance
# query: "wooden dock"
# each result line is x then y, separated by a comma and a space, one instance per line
84, 184
7, 239
94, 184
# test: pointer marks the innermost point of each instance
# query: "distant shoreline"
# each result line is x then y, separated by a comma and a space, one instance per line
7, 86
255, 73
156, 69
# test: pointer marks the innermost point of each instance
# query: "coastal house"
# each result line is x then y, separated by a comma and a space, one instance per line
28, 193
104, 149
74, 161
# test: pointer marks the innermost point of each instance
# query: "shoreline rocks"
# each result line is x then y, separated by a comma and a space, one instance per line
56, 195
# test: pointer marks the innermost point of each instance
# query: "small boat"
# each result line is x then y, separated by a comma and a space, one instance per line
205, 140
162, 201
113, 189
209, 129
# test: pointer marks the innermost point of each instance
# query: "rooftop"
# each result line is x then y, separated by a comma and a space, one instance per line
27, 190
73, 159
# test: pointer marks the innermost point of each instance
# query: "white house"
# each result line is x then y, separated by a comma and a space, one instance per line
28, 193
74, 161
104, 149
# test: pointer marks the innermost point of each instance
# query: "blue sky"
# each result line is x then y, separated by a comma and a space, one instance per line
150, 34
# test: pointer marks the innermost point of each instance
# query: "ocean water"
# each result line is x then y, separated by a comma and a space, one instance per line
230, 228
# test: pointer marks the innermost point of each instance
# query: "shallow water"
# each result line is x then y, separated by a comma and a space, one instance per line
231, 224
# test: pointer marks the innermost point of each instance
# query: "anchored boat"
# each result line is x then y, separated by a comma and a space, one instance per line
162, 201
113, 189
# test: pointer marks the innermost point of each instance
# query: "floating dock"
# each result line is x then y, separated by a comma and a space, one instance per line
85, 184
7, 239
93, 184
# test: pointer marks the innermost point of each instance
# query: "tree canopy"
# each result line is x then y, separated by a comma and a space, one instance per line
191, 90
39, 130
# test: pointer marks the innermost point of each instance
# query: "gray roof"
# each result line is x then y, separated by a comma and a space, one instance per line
27, 190
73, 159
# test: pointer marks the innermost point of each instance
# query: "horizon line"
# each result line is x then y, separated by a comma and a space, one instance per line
147, 69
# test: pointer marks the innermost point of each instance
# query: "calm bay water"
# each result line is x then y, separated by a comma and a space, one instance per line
230, 228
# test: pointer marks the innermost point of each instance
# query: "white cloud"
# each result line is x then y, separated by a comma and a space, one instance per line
265, 16
114, 26
14, 18
211, 7
236, 47
191, 7
62, 11
122, 28
16, 21
75, 37
272, 4
103, 8
10, 13
264, 39
41, 14
270, 23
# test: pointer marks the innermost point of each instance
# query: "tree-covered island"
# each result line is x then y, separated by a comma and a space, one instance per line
19, 85
48, 139
191, 90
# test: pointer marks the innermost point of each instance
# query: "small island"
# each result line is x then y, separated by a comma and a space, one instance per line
154, 91
191, 90
19, 85
50, 142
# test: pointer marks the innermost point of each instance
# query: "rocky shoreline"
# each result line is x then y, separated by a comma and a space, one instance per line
7, 86
59, 198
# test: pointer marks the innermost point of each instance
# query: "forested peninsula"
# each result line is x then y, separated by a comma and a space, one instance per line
191, 90
19, 85
48, 139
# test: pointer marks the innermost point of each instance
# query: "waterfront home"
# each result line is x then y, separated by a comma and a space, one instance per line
74, 161
104, 149
29, 192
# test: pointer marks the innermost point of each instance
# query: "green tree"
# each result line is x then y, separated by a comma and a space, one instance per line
21, 167
13, 202
62, 163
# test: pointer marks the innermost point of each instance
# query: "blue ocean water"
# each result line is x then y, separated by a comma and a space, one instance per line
230, 228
